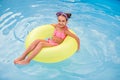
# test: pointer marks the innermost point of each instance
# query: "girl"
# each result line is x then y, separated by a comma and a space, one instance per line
61, 31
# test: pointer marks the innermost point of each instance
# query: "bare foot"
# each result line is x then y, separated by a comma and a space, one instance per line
18, 59
22, 62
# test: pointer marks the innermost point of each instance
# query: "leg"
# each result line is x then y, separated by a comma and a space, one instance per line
28, 50
35, 52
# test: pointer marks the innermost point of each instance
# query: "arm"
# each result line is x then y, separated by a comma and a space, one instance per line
74, 36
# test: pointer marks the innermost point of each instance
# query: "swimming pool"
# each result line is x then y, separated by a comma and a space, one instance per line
96, 22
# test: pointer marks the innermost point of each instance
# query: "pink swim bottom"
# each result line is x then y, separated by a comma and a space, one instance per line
52, 42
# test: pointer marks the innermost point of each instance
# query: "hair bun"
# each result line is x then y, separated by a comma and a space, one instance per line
68, 15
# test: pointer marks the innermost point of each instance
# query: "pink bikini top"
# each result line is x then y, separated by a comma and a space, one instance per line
59, 34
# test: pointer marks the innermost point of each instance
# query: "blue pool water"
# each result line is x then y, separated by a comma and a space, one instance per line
96, 22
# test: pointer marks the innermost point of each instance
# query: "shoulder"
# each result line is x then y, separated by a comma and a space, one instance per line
67, 31
70, 33
54, 25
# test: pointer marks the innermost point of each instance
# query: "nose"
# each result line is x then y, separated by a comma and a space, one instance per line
60, 23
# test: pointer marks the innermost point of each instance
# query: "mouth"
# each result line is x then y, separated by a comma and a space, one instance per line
60, 25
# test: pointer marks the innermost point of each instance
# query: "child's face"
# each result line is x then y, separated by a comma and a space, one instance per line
62, 21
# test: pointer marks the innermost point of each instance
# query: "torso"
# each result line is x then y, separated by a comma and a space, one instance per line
58, 39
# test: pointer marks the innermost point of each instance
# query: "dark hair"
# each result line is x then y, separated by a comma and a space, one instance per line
66, 15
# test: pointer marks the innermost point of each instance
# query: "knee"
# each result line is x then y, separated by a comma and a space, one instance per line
37, 40
41, 44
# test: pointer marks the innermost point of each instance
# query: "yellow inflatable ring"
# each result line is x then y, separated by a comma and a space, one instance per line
51, 54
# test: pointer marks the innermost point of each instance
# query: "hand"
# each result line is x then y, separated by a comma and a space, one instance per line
78, 47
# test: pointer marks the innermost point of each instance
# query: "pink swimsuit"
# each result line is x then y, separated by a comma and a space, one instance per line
57, 34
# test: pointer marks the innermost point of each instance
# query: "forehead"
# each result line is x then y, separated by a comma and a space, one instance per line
61, 17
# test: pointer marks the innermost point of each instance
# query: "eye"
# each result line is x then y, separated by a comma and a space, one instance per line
59, 20
63, 20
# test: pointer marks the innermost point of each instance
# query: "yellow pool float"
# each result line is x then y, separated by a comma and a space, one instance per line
51, 54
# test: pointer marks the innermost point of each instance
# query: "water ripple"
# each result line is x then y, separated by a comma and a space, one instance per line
7, 21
